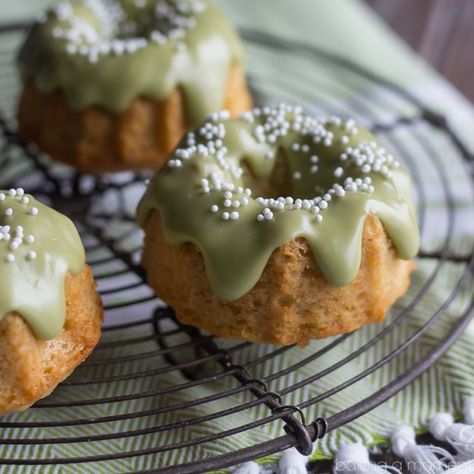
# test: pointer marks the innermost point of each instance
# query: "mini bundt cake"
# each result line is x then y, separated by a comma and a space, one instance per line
281, 228
50, 312
111, 85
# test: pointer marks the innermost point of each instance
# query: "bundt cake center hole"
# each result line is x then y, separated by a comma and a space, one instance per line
278, 183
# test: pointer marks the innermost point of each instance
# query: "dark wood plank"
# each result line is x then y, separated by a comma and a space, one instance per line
408, 18
441, 31
458, 64
438, 36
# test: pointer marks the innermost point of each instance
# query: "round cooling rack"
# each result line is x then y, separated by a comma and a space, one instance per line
157, 396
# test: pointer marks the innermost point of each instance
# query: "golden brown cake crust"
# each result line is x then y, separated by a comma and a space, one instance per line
292, 302
95, 141
31, 368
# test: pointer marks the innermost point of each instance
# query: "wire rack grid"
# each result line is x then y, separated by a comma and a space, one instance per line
127, 408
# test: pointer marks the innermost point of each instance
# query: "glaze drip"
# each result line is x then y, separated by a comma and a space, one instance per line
109, 52
238, 189
38, 247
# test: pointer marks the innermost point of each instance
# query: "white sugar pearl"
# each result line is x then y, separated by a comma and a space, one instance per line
31, 255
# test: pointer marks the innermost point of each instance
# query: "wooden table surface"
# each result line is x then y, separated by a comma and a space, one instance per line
442, 31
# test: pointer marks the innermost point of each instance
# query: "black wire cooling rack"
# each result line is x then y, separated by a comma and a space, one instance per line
119, 412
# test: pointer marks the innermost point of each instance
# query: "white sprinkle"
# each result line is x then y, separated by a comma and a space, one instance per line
9, 211
34, 211
234, 215
338, 172
214, 208
10, 258
31, 255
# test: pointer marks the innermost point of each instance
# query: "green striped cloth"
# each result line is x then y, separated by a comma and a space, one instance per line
304, 51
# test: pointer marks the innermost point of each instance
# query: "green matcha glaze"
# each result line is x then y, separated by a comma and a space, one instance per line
198, 62
236, 251
34, 271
